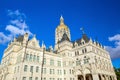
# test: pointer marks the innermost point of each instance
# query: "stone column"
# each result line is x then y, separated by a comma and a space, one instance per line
84, 77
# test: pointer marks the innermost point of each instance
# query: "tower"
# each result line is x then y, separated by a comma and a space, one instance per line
60, 30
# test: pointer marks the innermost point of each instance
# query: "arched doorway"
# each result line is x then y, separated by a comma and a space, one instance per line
104, 77
99, 77
89, 77
80, 77
110, 78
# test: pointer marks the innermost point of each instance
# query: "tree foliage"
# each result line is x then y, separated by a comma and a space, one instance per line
117, 71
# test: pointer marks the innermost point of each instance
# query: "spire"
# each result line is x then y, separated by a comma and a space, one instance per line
61, 20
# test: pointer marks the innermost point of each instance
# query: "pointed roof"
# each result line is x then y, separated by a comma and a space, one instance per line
65, 37
84, 37
20, 38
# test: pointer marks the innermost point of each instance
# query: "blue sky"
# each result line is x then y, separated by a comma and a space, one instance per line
100, 19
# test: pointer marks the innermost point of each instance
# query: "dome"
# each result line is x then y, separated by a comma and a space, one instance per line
62, 25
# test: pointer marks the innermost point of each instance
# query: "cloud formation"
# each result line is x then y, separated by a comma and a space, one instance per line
17, 26
114, 51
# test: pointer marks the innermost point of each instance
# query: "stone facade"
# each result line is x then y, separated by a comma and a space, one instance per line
83, 59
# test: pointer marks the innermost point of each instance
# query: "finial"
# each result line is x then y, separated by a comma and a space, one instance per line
82, 29
61, 20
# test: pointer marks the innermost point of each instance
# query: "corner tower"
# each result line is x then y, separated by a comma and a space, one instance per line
60, 30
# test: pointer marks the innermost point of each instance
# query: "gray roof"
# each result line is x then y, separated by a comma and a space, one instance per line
20, 38
84, 37
65, 38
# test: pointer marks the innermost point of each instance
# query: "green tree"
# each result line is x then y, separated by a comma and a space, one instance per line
117, 71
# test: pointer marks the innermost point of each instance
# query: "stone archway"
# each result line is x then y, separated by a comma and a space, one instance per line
99, 77
89, 77
103, 77
110, 78
80, 77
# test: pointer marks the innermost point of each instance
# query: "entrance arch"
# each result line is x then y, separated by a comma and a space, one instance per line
99, 77
89, 77
104, 77
110, 78
80, 77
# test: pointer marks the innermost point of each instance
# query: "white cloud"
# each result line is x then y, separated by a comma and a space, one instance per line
114, 38
17, 26
114, 51
4, 38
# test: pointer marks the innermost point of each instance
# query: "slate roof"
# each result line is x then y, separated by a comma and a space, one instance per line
65, 38
84, 37
20, 38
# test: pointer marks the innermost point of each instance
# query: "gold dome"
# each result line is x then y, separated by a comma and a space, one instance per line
62, 25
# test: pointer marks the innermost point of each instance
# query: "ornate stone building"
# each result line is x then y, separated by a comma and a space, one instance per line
83, 59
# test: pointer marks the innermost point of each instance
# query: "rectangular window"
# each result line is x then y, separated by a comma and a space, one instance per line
15, 70
78, 62
44, 78
36, 78
44, 61
70, 71
24, 78
50, 71
60, 72
51, 62
30, 57
27, 57
18, 69
37, 58
30, 78
44, 70
64, 63
31, 69
37, 69
59, 63
64, 72
25, 68
34, 58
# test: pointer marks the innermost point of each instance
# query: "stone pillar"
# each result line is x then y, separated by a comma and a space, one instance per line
95, 76
102, 77
84, 77
108, 77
